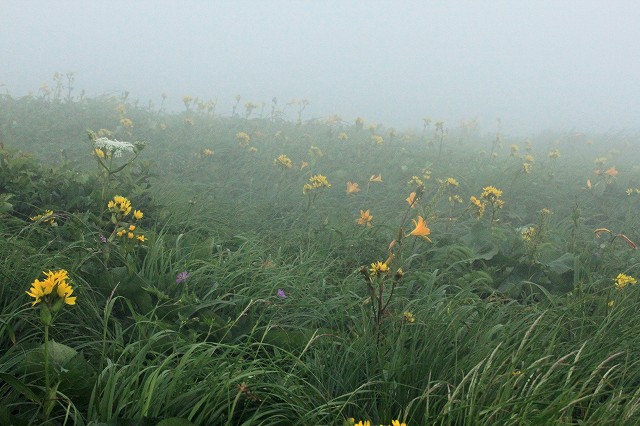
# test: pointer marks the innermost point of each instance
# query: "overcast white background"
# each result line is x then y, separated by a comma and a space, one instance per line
566, 65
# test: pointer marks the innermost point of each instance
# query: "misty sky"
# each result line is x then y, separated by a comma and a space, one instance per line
567, 65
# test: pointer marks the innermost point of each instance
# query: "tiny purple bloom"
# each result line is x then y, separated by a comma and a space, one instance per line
103, 239
281, 294
182, 277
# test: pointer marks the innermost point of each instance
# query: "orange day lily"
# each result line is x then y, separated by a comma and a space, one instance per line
411, 199
365, 218
421, 229
352, 187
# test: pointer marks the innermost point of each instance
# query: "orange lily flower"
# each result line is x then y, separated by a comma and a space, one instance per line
352, 187
421, 229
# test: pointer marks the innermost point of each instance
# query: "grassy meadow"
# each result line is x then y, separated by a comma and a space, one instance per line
260, 267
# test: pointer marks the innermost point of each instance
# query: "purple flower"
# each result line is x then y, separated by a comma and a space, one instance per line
281, 294
103, 239
182, 277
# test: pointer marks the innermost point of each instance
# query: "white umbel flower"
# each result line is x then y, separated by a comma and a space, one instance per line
116, 147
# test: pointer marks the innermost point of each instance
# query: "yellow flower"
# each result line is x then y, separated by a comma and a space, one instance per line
54, 281
421, 229
284, 162
415, 180
352, 187
207, 152
343, 137
365, 218
375, 178
363, 423
452, 182
480, 206
243, 138
379, 140
378, 268
141, 238
120, 205
130, 235
554, 153
99, 153
526, 168
317, 181
397, 423
137, 214
132, 227
491, 193
121, 232
46, 217
408, 317
623, 280
126, 123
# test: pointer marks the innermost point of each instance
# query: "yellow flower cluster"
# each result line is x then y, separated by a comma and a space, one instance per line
479, 205
378, 268
343, 137
623, 280
554, 153
284, 162
54, 287
352, 422
315, 182
119, 206
528, 233
243, 139
409, 317
491, 193
415, 180
126, 123
46, 217
377, 139
207, 152
451, 182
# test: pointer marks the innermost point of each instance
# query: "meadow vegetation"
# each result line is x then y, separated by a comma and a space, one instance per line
260, 267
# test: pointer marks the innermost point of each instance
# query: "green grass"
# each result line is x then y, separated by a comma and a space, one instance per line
507, 330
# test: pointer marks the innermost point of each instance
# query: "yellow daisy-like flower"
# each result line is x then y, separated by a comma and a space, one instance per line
408, 317
397, 423
132, 227
451, 182
130, 235
623, 280
141, 238
57, 281
317, 181
378, 268
491, 193
137, 214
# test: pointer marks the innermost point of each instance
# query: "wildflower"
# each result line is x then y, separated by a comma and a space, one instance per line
103, 239
314, 151
514, 150
253, 149
629, 191
375, 178
528, 158
421, 229
243, 139
283, 162
120, 205
352, 187
379, 140
115, 146
397, 423
378, 268
126, 123
491, 193
54, 281
46, 217
137, 214
99, 153
207, 152
303, 165
479, 205
528, 233
526, 168
451, 182
554, 153
610, 303
411, 199
623, 280
611, 172
408, 317
130, 235
132, 227
317, 181
365, 218
343, 137
281, 294
182, 277
415, 180
121, 232
141, 238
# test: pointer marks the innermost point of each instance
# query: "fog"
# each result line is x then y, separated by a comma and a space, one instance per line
537, 65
